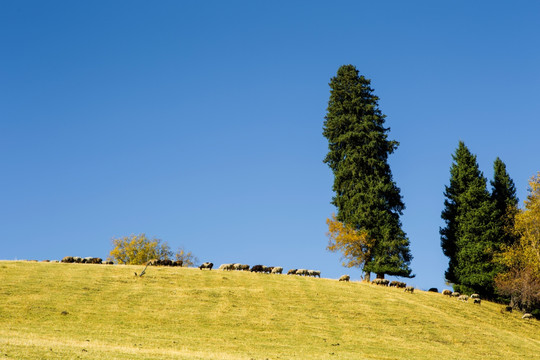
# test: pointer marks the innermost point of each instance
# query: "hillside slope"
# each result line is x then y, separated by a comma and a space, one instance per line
79, 311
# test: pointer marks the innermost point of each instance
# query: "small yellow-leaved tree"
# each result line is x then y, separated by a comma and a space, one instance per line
138, 249
521, 279
354, 245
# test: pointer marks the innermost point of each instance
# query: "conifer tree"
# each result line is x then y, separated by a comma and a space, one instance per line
503, 194
470, 238
366, 197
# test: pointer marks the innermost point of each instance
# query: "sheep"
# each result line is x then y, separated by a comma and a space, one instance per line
302, 272
227, 267
314, 273
463, 298
455, 294
178, 263
477, 301
393, 283
344, 278
257, 268
244, 267
447, 292
475, 296
236, 266
77, 259
268, 269
166, 262
409, 289
206, 265
277, 270
527, 316
292, 271
68, 259
433, 290
383, 282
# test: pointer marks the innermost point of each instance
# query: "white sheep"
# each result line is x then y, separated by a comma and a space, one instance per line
344, 278
277, 270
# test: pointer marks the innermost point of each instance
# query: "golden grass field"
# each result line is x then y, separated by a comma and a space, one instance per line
80, 311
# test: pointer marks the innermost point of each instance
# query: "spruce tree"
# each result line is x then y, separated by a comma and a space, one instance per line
503, 194
471, 234
366, 197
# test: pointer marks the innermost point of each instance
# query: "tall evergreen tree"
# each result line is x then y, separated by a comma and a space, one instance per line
503, 194
366, 197
471, 234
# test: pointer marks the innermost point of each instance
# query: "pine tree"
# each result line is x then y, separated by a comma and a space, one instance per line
366, 197
471, 234
503, 194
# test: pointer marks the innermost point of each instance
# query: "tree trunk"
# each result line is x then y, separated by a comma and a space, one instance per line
367, 276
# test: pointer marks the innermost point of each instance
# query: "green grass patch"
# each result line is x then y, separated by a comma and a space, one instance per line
80, 311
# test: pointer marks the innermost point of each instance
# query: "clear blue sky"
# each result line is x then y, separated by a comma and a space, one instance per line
200, 123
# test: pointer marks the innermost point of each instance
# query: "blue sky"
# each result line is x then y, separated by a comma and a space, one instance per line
200, 123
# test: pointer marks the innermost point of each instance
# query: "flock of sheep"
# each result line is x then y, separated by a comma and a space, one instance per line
261, 269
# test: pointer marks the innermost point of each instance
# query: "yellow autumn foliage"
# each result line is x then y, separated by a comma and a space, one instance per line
138, 249
354, 245
521, 279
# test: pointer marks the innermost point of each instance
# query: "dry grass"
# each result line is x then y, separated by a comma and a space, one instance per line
79, 311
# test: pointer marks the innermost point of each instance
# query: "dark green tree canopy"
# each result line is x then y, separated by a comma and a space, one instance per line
503, 194
471, 235
366, 197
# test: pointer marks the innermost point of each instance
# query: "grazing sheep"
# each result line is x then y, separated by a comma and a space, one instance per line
409, 289
227, 267
507, 309
475, 296
455, 294
244, 267
237, 266
292, 271
447, 292
527, 316
303, 272
257, 268
433, 290
178, 263
77, 259
314, 273
109, 263
166, 262
397, 284
383, 282
477, 301
206, 265
68, 259
463, 298
277, 270
344, 278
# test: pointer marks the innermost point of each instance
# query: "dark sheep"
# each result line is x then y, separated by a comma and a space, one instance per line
178, 263
206, 265
447, 292
257, 268
292, 272
477, 301
68, 259
409, 289
433, 290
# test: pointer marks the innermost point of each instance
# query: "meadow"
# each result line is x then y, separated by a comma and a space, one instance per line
82, 311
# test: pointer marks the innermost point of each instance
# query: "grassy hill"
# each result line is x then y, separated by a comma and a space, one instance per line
79, 311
